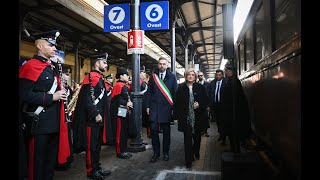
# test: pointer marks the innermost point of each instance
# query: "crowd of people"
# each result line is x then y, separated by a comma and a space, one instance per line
49, 134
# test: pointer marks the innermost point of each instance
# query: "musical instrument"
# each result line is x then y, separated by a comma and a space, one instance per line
63, 83
73, 102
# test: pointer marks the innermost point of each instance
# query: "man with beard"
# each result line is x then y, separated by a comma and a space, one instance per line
205, 115
90, 117
161, 91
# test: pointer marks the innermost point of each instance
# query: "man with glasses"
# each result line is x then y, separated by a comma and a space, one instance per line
205, 116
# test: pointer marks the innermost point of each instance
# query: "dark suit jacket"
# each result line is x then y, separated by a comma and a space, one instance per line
212, 90
160, 108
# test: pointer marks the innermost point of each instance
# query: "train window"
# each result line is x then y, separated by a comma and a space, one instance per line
242, 58
249, 49
260, 34
239, 58
287, 20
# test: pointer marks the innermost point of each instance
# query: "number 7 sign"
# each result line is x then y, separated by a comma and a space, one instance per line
117, 18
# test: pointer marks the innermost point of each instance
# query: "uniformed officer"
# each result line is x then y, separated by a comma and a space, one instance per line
109, 125
89, 123
120, 98
43, 110
66, 73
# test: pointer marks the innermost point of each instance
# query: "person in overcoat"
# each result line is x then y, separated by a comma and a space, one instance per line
161, 90
190, 103
235, 110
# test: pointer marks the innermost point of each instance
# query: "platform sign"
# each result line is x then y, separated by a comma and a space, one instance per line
154, 15
117, 18
135, 42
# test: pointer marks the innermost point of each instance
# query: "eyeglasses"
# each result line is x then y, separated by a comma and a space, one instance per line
200, 75
67, 74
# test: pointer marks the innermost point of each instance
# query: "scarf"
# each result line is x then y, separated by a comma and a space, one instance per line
191, 117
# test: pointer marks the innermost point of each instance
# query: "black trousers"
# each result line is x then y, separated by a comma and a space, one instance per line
44, 150
217, 113
191, 149
234, 144
121, 135
94, 141
166, 139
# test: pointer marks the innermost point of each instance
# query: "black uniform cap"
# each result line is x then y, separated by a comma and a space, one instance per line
110, 76
229, 67
121, 71
95, 58
50, 36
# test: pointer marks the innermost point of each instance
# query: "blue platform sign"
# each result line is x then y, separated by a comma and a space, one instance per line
154, 15
117, 18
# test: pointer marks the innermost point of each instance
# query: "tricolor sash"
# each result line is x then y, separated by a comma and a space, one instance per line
163, 88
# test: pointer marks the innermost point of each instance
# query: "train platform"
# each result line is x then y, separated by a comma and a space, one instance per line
139, 167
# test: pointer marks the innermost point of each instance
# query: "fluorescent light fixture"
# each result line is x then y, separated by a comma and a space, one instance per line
223, 63
240, 15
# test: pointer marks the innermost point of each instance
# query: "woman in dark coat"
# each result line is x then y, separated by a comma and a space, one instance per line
191, 102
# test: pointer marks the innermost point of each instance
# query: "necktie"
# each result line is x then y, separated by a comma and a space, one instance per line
161, 76
217, 92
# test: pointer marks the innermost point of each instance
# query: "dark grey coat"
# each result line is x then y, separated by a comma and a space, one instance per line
182, 104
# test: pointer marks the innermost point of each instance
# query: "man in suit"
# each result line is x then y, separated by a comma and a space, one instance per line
161, 91
215, 88
204, 116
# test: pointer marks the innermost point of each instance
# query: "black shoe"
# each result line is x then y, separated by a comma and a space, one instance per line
128, 154
104, 172
154, 158
166, 157
220, 138
96, 175
206, 134
123, 156
188, 165
197, 156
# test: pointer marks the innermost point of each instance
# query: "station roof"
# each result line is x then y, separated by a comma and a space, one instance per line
198, 22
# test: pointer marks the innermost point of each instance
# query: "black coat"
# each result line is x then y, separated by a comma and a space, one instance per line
85, 111
160, 108
181, 106
235, 109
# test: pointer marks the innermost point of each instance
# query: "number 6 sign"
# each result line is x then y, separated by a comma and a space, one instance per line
154, 15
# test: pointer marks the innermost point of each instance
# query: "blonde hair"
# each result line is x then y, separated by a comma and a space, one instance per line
188, 71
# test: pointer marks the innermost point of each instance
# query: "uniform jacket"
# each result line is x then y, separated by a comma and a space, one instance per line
160, 108
85, 111
36, 77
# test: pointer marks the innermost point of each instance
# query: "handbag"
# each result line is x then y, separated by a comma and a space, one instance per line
122, 111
